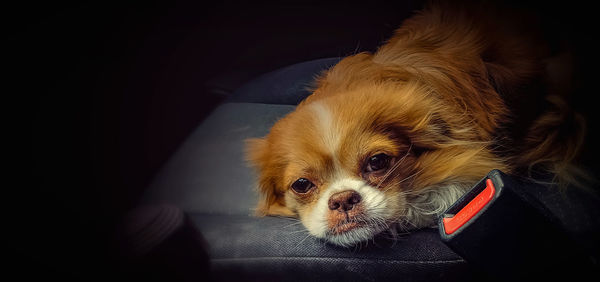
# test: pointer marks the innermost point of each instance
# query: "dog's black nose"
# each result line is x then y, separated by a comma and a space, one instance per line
344, 201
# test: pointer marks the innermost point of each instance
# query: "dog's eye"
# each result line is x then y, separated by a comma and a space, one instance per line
302, 185
378, 162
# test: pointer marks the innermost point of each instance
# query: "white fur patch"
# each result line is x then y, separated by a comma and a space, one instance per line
423, 209
330, 133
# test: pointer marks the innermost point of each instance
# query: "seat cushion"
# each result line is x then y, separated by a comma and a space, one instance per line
209, 179
208, 173
279, 249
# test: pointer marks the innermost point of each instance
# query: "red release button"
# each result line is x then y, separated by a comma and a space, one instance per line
452, 224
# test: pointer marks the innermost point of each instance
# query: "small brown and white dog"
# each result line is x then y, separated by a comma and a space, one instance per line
389, 140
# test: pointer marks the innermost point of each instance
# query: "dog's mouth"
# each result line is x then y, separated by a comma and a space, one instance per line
345, 227
351, 232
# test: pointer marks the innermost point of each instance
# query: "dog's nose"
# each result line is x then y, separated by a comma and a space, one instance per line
344, 201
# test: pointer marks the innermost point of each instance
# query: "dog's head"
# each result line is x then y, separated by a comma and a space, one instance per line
359, 161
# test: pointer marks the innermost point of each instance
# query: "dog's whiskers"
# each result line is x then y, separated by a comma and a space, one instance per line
292, 224
300, 243
403, 180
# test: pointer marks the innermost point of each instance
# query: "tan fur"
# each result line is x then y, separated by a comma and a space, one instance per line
433, 97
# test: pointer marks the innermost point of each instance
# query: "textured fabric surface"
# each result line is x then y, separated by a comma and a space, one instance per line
242, 237
340, 269
208, 173
288, 85
578, 211
280, 248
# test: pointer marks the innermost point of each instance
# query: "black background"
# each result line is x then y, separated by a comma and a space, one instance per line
101, 93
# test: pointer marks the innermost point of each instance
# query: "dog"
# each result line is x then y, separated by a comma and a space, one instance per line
389, 140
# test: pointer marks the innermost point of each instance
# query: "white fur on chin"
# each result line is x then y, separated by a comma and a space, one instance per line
375, 206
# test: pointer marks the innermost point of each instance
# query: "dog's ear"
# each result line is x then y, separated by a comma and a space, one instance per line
506, 78
271, 201
512, 60
500, 78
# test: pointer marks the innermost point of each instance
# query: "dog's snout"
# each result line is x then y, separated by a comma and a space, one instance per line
344, 201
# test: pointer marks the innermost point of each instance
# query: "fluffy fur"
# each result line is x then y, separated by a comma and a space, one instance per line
438, 99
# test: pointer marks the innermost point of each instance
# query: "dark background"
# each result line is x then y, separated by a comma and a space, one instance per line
101, 94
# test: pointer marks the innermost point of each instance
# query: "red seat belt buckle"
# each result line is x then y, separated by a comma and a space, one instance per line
451, 224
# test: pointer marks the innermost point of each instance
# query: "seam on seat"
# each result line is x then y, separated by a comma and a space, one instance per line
329, 259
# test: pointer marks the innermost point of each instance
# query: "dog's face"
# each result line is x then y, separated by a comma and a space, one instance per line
366, 160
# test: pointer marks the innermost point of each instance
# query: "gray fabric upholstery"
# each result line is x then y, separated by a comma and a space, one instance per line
277, 248
237, 237
208, 174
209, 179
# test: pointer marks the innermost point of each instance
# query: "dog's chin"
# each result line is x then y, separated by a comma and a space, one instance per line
350, 234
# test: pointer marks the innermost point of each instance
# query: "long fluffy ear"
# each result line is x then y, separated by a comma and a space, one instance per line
271, 201
513, 56
554, 143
